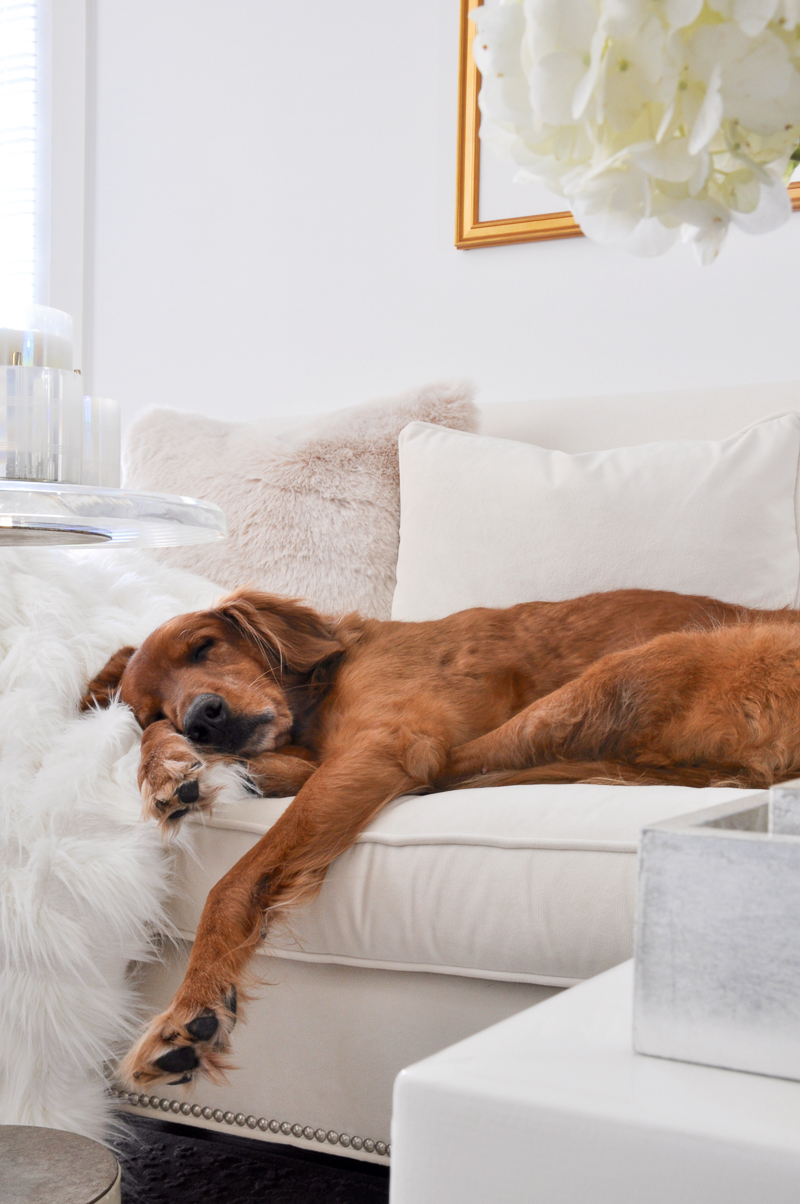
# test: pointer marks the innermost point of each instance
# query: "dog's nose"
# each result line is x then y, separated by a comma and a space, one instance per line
206, 719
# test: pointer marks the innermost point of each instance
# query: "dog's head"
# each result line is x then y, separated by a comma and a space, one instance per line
230, 679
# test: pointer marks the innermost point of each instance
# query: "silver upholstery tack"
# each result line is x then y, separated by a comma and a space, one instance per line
329, 1137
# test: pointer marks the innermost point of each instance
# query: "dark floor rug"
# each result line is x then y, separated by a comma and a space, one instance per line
175, 1164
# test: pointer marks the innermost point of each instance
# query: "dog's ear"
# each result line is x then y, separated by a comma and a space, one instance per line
102, 688
296, 635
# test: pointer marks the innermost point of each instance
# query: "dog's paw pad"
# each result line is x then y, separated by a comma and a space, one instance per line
189, 792
176, 1060
174, 784
203, 1027
183, 1043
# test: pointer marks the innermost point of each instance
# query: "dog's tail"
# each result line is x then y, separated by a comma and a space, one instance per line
610, 773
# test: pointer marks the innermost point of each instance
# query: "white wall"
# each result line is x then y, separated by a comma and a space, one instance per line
271, 194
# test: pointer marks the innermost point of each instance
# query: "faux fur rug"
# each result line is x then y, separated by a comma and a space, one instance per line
313, 511
82, 880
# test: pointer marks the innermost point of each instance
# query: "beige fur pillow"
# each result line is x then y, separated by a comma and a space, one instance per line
313, 511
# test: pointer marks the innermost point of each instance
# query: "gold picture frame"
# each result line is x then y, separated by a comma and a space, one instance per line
470, 232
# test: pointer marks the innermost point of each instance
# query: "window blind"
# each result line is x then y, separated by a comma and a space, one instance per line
18, 150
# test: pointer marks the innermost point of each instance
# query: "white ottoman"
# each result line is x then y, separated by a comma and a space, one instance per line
554, 1105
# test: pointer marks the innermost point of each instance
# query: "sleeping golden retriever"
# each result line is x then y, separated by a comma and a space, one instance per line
347, 714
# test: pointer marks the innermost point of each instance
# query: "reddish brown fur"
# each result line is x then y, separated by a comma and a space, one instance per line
631, 686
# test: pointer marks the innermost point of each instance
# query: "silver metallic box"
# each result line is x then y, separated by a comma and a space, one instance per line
717, 943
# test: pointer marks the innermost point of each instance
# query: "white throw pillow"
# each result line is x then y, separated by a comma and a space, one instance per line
493, 522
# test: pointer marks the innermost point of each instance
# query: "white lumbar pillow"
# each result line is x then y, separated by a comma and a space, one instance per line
493, 522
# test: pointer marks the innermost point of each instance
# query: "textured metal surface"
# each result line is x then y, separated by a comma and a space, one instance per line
48, 1166
784, 809
717, 955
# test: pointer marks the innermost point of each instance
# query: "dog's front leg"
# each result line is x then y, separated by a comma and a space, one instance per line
174, 777
279, 774
285, 867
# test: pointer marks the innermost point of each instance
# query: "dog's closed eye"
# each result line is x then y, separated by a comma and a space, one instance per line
200, 651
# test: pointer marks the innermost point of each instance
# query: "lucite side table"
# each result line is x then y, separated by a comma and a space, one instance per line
45, 514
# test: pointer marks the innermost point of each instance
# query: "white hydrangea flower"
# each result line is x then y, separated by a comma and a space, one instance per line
658, 120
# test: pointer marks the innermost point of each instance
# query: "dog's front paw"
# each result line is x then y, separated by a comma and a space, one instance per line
172, 776
186, 1041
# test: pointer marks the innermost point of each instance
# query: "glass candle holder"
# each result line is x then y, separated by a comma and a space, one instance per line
40, 396
40, 424
100, 442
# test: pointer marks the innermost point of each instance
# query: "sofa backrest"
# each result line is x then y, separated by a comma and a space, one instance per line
596, 423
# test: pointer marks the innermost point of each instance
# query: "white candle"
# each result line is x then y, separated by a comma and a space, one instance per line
35, 336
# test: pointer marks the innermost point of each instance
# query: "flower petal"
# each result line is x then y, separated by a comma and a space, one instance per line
610, 207
589, 82
553, 81
668, 160
753, 16
682, 12
773, 209
709, 118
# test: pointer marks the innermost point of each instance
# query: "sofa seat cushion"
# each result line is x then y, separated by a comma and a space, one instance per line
522, 883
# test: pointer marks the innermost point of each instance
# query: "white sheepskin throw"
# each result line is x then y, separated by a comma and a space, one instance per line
314, 512
83, 880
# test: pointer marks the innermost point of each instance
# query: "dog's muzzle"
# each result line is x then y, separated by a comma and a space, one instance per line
210, 723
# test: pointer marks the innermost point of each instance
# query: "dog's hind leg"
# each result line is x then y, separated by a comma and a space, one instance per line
662, 703
614, 773
721, 703
591, 718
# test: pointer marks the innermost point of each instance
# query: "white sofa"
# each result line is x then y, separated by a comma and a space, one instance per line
453, 911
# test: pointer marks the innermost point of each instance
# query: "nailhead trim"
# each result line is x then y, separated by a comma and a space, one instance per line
331, 1137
